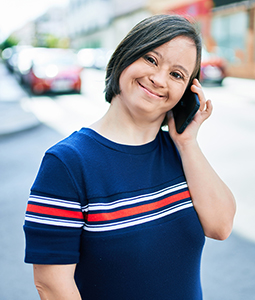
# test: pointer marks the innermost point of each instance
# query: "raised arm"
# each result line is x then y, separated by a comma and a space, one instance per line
56, 282
212, 199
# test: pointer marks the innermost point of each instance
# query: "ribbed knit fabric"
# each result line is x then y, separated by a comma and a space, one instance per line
122, 213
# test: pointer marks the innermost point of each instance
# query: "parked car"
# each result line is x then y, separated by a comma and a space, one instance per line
213, 68
50, 70
11, 56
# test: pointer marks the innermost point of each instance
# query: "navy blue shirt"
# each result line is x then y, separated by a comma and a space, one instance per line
122, 213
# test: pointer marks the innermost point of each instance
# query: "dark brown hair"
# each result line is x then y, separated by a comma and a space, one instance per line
147, 35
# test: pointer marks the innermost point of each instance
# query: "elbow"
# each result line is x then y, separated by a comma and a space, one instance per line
220, 233
225, 233
221, 226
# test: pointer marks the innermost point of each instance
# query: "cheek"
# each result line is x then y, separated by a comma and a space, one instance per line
122, 84
125, 78
176, 97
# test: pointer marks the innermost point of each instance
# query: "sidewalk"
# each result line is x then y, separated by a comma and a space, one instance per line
14, 117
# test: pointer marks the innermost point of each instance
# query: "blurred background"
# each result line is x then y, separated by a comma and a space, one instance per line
53, 55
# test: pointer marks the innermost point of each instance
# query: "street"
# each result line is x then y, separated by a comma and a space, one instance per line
227, 139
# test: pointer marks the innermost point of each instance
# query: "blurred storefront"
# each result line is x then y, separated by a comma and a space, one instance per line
233, 29
227, 26
200, 10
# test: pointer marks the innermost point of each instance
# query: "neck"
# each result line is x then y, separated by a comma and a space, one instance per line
122, 128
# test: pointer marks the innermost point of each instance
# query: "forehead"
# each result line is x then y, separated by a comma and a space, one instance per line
181, 48
179, 41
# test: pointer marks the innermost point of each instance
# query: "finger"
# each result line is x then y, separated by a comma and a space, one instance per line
201, 97
197, 88
208, 110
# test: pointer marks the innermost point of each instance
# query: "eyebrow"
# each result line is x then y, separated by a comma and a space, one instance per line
176, 66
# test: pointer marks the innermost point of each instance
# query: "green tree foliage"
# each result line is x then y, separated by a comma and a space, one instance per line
51, 41
9, 42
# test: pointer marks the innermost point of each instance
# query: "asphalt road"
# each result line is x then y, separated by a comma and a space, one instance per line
227, 138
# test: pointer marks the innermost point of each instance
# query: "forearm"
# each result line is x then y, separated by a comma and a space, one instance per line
212, 199
55, 282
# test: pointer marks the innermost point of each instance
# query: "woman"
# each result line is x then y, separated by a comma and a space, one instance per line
120, 210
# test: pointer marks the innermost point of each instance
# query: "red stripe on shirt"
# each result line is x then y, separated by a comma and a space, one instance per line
136, 210
54, 211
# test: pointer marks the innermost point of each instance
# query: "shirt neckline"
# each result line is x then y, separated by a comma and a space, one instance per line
131, 149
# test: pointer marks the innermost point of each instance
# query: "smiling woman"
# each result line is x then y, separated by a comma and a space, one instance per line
160, 78
120, 210
147, 36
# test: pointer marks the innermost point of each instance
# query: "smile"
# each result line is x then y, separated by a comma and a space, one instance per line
148, 91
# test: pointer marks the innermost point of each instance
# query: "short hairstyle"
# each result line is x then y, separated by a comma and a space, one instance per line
147, 35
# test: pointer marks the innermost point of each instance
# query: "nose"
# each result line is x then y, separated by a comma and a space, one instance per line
159, 78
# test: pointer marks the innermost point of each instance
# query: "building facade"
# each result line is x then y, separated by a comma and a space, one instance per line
233, 29
47, 30
102, 23
88, 22
227, 26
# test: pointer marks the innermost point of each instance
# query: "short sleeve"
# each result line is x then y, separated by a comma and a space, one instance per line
54, 218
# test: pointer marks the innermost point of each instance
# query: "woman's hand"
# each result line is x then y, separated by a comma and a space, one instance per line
190, 133
212, 199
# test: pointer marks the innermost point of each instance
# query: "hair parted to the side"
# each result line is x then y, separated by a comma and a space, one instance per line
147, 35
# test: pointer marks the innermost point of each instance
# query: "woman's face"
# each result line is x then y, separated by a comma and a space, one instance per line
154, 83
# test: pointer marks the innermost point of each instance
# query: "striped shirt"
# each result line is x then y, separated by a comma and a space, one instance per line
122, 213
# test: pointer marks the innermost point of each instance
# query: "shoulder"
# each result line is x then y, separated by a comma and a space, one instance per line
73, 146
62, 168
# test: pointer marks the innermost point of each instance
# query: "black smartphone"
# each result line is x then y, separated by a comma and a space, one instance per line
185, 110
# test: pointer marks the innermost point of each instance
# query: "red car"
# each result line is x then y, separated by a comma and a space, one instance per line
213, 68
53, 70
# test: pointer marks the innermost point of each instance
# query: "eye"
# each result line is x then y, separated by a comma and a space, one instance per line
150, 59
176, 75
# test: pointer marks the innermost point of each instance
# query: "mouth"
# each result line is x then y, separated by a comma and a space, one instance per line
150, 92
